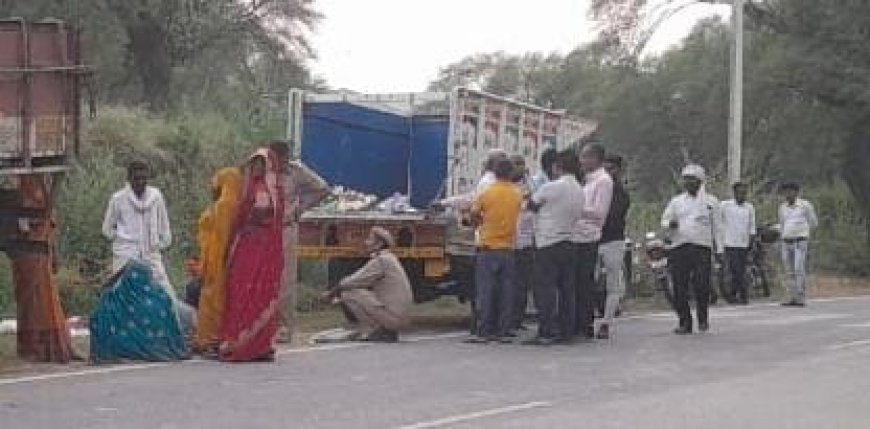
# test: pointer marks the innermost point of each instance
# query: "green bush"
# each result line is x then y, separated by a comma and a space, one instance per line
185, 150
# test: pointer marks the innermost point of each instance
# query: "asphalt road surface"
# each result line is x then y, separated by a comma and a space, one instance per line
759, 367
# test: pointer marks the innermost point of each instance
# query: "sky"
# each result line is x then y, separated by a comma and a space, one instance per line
388, 46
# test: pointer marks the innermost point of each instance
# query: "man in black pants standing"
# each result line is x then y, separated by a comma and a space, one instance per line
694, 222
558, 205
738, 224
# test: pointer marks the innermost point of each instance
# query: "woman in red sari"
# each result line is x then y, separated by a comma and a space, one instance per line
254, 267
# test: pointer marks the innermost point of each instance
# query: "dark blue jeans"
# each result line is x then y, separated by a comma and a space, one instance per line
495, 274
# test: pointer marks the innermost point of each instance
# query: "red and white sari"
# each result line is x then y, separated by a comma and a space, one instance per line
254, 267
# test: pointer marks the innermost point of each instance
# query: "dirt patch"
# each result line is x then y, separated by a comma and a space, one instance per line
832, 286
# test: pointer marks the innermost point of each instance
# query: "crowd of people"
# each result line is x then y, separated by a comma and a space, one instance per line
549, 232
246, 265
543, 234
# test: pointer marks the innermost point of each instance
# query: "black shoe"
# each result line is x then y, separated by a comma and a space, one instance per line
793, 304
603, 332
511, 334
703, 326
538, 341
682, 330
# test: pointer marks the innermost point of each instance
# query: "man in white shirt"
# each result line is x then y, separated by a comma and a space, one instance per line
693, 219
137, 223
738, 222
797, 219
597, 195
558, 204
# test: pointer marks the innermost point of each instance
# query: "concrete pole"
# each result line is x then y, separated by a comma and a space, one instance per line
735, 116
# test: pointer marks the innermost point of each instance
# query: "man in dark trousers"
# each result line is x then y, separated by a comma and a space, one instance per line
738, 223
558, 204
496, 211
694, 223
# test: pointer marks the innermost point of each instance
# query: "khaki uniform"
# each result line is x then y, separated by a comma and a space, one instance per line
379, 294
303, 190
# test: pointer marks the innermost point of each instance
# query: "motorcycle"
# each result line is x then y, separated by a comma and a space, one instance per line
656, 250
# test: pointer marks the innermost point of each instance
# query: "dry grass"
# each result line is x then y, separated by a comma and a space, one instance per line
829, 286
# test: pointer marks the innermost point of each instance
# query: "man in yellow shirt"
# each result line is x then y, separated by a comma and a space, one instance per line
495, 212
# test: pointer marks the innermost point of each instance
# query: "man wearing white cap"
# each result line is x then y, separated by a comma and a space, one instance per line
694, 221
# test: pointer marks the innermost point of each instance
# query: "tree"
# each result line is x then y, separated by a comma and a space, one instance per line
165, 52
817, 67
525, 77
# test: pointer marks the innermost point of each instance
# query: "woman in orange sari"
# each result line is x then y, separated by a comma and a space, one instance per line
215, 228
254, 267
43, 335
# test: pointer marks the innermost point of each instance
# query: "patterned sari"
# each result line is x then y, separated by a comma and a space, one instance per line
215, 227
255, 263
136, 320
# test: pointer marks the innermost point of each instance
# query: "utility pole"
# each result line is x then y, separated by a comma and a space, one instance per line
735, 115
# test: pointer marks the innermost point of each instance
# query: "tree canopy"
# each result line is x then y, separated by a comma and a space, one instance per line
172, 53
807, 95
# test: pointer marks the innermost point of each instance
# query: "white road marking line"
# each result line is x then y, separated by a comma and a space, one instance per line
136, 367
842, 298
59, 375
320, 348
850, 344
856, 325
433, 337
718, 311
793, 320
459, 418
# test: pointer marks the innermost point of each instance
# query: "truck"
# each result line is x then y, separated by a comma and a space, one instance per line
424, 146
41, 76
41, 80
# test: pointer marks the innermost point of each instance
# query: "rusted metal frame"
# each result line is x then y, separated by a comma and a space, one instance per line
76, 90
24, 95
17, 171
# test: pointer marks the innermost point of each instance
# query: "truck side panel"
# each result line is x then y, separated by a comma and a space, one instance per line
428, 169
359, 148
39, 95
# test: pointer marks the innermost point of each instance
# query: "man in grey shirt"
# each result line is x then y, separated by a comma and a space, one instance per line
559, 204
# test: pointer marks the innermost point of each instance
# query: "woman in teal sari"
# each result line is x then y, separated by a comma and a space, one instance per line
136, 320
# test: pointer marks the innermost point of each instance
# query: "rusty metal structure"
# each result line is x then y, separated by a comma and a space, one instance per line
41, 76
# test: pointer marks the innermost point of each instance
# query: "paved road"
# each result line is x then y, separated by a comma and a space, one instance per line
759, 367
